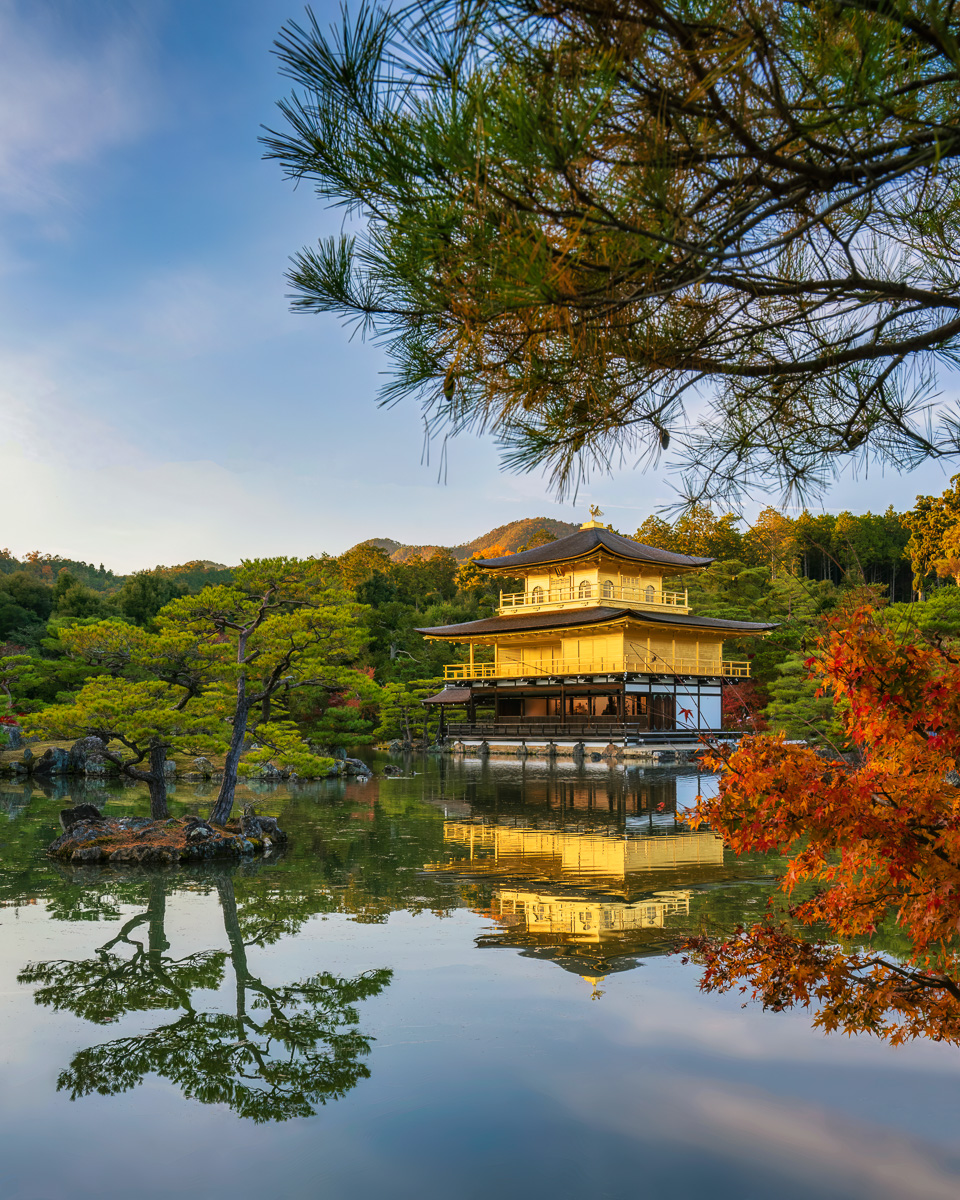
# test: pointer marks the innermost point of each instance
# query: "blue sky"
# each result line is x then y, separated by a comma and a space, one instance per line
158, 401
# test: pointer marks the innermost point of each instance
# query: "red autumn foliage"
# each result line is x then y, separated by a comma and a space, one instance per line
350, 699
740, 705
874, 840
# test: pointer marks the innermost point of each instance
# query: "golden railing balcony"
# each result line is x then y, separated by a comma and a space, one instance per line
588, 594
597, 666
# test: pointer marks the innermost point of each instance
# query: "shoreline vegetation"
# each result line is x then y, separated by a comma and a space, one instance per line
263, 672
63, 624
39, 759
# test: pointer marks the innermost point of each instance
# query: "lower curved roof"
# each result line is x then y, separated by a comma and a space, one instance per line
532, 622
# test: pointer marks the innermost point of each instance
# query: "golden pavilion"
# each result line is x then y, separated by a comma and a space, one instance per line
596, 646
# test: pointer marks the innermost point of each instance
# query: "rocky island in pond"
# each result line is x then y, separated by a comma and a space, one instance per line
89, 837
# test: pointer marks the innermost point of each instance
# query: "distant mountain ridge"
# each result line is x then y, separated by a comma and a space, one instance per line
506, 539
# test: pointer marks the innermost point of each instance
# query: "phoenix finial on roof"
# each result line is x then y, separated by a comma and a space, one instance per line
596, 511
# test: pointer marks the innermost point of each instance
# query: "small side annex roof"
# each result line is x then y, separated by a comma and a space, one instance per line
450, 695
588, 541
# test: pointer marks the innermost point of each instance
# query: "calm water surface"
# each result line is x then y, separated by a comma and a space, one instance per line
454, 984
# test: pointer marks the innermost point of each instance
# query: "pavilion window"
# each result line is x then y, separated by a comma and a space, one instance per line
649, 593
585, 590
636, 709
664, 712
536, 596
608, 589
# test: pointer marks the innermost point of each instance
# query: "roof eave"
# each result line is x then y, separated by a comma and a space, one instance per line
613, 616
498, 565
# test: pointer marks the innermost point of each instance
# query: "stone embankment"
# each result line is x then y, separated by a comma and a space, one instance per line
579, 751
85, 759
89, 837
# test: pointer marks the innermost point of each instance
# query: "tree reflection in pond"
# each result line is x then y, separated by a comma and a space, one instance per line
281, 1051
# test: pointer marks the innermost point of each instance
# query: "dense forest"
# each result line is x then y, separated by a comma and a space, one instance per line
785, 569
796, 571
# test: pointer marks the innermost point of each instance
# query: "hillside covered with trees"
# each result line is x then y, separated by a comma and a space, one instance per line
792, 570
505, 539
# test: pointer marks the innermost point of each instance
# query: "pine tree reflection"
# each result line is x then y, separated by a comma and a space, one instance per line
279, 1053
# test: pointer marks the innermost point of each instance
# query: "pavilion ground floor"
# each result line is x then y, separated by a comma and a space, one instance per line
626, 710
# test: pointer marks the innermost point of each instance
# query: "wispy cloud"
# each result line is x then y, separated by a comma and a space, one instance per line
62, 104
757, 1133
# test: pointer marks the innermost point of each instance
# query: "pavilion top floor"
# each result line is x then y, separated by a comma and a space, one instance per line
590, 567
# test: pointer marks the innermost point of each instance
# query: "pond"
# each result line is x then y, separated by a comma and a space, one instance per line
457, 983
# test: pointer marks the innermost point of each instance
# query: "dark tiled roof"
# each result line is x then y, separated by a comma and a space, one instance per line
584, 542
450, 695
589, 616
707, 622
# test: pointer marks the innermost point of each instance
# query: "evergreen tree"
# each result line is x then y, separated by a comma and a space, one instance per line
138, 723
143, 595
795, 709
283, 626
574, 217
403, 715
931, 522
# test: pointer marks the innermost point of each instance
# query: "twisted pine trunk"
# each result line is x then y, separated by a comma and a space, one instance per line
155, 779
157, 782
224, 805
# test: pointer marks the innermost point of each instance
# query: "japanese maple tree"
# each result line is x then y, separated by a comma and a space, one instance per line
872, 840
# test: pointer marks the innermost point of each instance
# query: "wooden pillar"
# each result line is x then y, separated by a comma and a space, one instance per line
471, 660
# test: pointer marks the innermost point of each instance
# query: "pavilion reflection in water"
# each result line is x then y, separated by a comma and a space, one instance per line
621, 862
582, 921
603, 791
590, 870
593, 937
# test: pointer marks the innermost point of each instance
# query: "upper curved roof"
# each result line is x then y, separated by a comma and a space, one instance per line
587, 541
